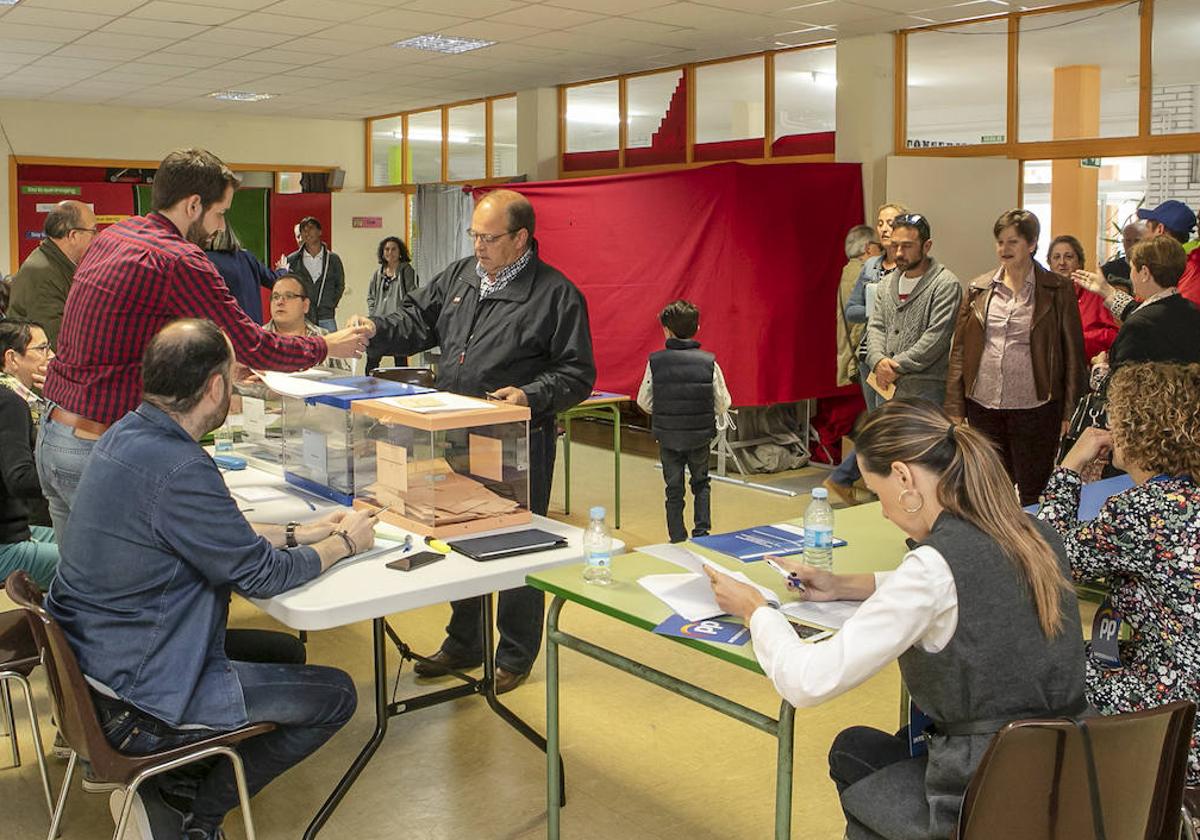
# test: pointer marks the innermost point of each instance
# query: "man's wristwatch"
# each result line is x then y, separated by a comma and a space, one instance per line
290, 535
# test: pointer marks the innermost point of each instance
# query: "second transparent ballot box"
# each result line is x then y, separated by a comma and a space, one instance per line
321, 437
443, 464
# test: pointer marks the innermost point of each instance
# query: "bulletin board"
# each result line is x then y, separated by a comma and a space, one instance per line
35, 198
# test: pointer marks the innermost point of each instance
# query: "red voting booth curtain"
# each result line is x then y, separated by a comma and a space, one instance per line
758, 248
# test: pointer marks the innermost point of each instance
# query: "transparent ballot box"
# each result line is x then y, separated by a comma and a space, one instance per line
321, 437
443, 464
262, 429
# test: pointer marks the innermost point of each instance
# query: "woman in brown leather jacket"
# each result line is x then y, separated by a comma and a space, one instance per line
1017, 365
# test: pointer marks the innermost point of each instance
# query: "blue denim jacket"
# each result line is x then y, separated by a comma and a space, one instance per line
154, 547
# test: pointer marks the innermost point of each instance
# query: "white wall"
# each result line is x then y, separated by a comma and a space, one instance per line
865, 112
962, 198
49, 129
359, 247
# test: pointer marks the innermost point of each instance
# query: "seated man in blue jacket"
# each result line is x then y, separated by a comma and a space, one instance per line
155, 546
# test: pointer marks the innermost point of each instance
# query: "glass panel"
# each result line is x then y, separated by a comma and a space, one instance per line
656, 109
957, 80
1091, 56
425, 147
805, 91
386, 164
504, 137
729, 101
1175, 103
468, 128
593, 117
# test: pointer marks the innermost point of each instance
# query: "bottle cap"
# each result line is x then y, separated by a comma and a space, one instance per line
820, 493
597, 512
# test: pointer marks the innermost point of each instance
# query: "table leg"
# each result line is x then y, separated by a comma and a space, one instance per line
616, 415
567, 464
554, 780
783, 772
381, 724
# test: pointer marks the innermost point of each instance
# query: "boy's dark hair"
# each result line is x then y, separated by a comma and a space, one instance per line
681, 318
187, 172
180, 360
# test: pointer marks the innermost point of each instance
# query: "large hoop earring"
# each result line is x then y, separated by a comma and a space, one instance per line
906, 508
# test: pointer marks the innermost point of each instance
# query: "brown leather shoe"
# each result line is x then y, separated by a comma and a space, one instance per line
506, 681
441, 663
845, 492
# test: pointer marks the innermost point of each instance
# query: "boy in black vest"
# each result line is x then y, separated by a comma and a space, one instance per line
683, 391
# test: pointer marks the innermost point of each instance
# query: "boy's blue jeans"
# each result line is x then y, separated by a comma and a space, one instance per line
308, 704
673, 463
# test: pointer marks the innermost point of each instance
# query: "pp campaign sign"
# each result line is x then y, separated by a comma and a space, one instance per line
709, 630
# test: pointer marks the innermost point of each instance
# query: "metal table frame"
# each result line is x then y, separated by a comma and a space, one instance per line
600, 408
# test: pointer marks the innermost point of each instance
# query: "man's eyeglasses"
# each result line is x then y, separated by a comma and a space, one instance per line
488, 238
913, 220
86, 230
286, 296
42, 348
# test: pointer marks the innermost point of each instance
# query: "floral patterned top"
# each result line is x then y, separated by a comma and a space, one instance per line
1146, 543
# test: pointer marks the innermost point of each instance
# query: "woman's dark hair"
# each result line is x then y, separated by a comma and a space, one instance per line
1067, 239
404, 255
180, 360
187, 172
972, 485
15, 334
1027, 225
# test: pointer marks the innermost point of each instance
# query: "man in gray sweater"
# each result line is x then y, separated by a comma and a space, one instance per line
909, 333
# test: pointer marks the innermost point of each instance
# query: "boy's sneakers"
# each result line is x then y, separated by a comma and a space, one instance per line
151, 818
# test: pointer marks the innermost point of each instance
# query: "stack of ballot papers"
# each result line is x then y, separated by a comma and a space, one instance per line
690, 594
430, 491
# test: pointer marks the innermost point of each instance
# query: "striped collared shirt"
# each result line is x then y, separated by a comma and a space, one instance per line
488, 286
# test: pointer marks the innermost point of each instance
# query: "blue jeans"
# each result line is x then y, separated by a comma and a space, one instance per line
308, 704
38, 556
60, 458
847, 472
328, 324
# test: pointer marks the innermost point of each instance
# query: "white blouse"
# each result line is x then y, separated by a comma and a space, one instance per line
917, 604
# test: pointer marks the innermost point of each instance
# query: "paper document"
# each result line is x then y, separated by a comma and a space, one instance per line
887, 393
831, 614
438, 401
297, 386
677, 554
690, 594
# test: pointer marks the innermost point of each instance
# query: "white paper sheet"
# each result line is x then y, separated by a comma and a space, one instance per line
689, 595
831, 614
438, 401
297, 386
677, 554
769, 594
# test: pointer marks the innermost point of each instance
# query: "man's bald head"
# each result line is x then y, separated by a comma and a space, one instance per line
517, 210
180, 362
72, 227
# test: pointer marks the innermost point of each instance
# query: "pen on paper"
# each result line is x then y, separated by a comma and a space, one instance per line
737, 636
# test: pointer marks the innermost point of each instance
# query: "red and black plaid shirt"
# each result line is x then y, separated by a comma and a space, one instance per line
138, 276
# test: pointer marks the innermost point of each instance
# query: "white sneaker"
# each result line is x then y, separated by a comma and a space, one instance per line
60, 749
149, 813
138, 827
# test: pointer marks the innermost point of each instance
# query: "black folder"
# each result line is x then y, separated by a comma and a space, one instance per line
495, 546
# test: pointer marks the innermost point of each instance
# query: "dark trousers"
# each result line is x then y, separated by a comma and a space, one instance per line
308, 704
673, 463
858, 752
519, 612
1027, 439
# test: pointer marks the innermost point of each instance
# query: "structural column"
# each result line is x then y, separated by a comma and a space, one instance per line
1073, 188
866, 111
537, 133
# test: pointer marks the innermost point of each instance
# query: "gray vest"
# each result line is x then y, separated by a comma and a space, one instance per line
997, 667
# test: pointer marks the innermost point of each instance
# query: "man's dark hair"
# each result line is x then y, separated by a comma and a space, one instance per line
520, 215
292, 276
1180, 236
913, 221
404, 255
310, 220
180, 360
15, 334
187, 172
681, 318
63, 219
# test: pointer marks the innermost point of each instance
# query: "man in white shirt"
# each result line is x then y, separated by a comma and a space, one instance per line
322, 273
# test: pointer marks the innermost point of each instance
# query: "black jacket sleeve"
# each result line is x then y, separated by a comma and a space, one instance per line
335, 277
569, 377
17, 468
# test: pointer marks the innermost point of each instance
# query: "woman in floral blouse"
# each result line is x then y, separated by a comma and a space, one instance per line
1145, 542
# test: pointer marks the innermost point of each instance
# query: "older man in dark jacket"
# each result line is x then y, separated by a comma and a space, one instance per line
39, 288
516, 329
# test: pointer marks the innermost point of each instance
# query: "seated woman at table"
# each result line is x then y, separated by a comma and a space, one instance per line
1145, 542
979, 614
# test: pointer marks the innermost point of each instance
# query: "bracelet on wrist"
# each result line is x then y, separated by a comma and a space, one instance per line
350, 546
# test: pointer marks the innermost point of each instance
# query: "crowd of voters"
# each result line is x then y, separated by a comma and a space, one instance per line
989, 403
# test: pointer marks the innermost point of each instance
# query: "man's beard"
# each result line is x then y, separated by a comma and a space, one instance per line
218, 416
197, 234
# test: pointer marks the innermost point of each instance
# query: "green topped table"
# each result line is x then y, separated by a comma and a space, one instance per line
873, 544
602, 405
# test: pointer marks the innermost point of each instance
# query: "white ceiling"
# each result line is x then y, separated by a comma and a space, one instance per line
333, 59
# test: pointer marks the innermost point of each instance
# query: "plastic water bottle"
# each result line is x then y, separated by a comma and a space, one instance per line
597, 550
223, 438
818, 531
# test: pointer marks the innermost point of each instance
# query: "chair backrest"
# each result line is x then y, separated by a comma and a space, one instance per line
76, 714
1032, 782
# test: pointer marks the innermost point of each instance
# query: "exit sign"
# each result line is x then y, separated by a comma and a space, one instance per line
1089, 163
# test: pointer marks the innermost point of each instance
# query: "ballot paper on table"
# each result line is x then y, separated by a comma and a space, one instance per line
437, 401
830, 614
690, 594
677, 554
291, 385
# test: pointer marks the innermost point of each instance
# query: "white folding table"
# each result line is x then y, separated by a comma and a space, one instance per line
361, 590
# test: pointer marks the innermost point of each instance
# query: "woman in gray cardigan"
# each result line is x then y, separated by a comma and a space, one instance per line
979, 614
391, 282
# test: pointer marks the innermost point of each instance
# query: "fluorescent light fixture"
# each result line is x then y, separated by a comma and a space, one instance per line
443, 43
241, 95
9, 2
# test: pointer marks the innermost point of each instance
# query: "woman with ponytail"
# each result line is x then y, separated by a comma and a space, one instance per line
1145, 541
979, 615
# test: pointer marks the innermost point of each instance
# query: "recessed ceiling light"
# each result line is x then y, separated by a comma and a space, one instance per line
9, 2
443, 43
239, 95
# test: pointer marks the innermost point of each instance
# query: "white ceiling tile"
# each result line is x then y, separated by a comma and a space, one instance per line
153, 28
103, 53
959, 11
287, 55
464, 8
828, 12
208, 48
339, 12
240, 5
365, 36
547, 17
23, 47
884, 23
323, 46
403, 19
608, 7
106, 7
54, 18
240, 37
181, 59
325, 72
48, 34
288, 25
125, 42
63, 62
185, 13
490, 31
634, 30
901, 6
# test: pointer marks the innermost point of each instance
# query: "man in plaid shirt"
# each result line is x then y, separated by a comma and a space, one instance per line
138, 276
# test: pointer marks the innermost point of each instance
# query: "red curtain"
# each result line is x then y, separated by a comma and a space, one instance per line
758, 248
286, 209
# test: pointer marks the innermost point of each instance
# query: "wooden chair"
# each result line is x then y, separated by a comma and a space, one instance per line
1116, 777
80, 727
